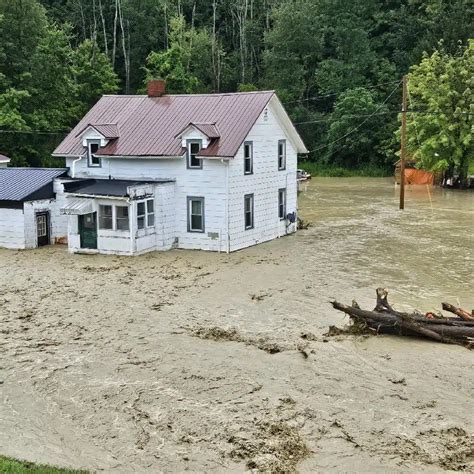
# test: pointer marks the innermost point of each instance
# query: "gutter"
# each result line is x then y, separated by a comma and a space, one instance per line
97, 196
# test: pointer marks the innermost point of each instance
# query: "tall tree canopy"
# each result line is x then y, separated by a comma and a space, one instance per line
58, 56
441, 90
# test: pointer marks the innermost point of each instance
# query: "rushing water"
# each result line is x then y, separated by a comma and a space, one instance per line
424, 253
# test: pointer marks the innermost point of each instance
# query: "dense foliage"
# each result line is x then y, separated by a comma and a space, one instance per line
442, 135
335, 64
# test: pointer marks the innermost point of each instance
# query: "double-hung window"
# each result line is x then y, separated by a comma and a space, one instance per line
281, 154
193, 148
121, 218
146, 214
92, 147
106, 218
195, 214
248, 157
282, 203
150, 213
248, 211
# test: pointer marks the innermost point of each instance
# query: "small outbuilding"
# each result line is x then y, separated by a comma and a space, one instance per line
29, 210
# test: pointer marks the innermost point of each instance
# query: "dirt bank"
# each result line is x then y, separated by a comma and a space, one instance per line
198, 361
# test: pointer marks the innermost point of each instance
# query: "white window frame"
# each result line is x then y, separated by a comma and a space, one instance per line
189, 143
282, 155
146, 215
149, 213
111, 217
252, 211
116, 218
90, 164
282, 203
190, 200
248, 146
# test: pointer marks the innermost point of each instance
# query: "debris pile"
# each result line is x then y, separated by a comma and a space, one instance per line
384, 319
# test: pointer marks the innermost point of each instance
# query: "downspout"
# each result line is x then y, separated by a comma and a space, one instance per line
73, 170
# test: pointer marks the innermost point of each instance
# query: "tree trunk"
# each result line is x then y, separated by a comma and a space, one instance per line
114, 44
104, 30
463, 172
124, 49
463, 314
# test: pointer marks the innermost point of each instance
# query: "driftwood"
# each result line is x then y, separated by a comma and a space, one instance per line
384, 319
463, 314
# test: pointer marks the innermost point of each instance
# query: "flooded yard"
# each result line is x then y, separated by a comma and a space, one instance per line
198, 361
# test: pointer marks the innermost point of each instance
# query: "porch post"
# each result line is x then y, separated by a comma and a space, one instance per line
131, 221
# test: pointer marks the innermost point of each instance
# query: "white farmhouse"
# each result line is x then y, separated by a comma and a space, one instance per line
155, 172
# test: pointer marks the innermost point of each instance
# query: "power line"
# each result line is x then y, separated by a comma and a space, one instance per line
389, 112
330, 94
37, 132
360, 125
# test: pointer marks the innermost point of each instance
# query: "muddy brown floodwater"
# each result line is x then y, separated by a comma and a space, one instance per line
210, 362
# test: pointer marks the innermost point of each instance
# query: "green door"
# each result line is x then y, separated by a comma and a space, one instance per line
88, 230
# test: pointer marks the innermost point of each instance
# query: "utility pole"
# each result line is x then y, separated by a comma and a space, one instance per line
403, 144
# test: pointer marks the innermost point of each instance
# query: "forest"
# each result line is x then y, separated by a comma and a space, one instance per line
335, 64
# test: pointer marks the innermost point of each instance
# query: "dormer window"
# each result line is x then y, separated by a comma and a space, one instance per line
193, 148
92, 148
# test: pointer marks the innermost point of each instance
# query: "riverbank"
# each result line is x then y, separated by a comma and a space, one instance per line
212, 362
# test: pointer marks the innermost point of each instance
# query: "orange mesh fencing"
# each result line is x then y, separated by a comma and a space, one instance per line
414, 176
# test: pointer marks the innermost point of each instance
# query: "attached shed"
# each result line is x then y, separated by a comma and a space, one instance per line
29, 208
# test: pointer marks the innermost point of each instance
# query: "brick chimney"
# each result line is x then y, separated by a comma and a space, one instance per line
156, 88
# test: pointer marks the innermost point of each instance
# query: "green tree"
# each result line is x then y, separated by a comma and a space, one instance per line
355, 129
23, 24
93, 74
184, 61
51, 83
441, 137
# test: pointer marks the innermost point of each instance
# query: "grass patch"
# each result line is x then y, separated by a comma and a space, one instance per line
14, 466
319, 169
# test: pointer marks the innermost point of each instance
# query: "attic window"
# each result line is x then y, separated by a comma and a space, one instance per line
194, 147
92, 147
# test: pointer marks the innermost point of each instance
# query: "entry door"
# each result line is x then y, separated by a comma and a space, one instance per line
88, 230
42, 228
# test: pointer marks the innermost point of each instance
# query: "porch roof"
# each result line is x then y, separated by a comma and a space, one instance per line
106, 187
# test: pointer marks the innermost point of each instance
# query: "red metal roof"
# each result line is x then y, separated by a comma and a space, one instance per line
108, 130
209, 129
149, 126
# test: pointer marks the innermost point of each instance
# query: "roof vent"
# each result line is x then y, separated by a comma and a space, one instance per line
156, 88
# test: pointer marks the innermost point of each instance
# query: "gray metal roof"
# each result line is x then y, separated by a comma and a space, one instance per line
16, 184
105, 187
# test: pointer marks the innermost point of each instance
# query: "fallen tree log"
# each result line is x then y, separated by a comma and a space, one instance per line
463, 314
392, 317
384, 319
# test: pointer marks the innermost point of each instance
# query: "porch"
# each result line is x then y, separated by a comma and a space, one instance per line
117, 216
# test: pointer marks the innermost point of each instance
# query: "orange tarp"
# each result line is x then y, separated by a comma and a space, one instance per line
414, 176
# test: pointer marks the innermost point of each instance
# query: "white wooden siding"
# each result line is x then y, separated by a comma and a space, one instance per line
264, 184
208, 182
12, 229
18, 226
57, 222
